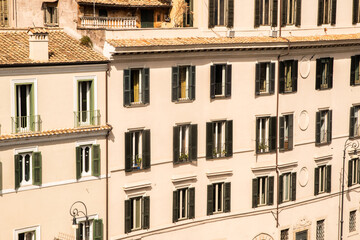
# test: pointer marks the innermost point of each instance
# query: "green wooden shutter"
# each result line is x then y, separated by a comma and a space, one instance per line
328, 178
333, 12
294, 75
192, 82
17, 171
318, 73
257, 136
96, 162
352, 69
282, 77
358, 171
316, 182
176, 144
350, 173
228, 80
255, 196
257, 79
211, 13
329, 126
331, 72
209, 140
36, 168
92, 104
191, 14
281, 182
293, 186
320, 12
56, 18
352, 122
272, 78
146, 149
175, 84
283, 13
212, 81
78, 162
271, 191
1, 178
281, 133
227, 197
128, 152
291, 132
146, 85
257, 14
193, 141
98, 229
127, 216
127, 87
175, 206
146, 216
355, 11
32, 108
78, 237
298, 13
272, 134
191, 203
229, 138
210, 200
318, 128
274, 13
230, 20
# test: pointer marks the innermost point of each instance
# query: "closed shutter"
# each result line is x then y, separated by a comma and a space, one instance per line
293, 186
281, 182
283, 13
127, 216
272, 78
98, 229
227, 197
298, 13
228, 80
146, 86
36, 168
127, 87
257, 14
146, 213
56, 18
211, 13
281, 133
318, 73
255, 196
329, 127
352, 122
1, 177
355, 11
333, 12
353, 67
175, 206
271, 191
78, 237
316, 182
193, 142
47, 15
328, 178
291, 132
350, 173
229, 138
331, 73
96, 163
175, 84
191, 13
212, 81
282, 77
317, 131
210, 200
358, 171
128, 152
209, 140
320, 12
146, 149
192, 82
17, 171
191, 205
78, 162
257, 136
272, 134
257, 79
230, 22
294, 75
274, 13
176, 144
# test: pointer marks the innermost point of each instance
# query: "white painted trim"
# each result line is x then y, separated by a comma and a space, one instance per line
210, 174
75, 89
26, 150
137, 186
136, 129
183, 178
83, 143
91, 217
321, 160
135, 195
12, 88
182, 123
287, 167
28, 229
264, 170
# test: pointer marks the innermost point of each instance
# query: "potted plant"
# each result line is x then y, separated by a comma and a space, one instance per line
137, 162
183, 157
262, 146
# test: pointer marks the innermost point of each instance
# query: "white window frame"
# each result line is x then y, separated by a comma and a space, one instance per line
132, 199
187, 77
184, 130
263, 134
88, 100
322, 179
263, 195
23, 151
354, 163
35, 229
290, 17
82, 144
92, 78
15, 82
91, 219
286, 187
181, 197
133, 142
323, 125
216, 189
267, 78
219, 138
263, 12
140, 85
357, 122
328, 9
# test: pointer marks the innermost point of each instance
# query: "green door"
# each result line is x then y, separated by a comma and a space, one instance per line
147, 18
302, 235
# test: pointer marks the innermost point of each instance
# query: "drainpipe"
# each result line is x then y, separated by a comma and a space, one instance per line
107, 153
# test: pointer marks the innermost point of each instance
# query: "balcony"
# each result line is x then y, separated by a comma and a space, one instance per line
87, 118
25, 124
108, 22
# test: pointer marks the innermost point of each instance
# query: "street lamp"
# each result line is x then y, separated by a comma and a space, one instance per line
355, 145
74, 212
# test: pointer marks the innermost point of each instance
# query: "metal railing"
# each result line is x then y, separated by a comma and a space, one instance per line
87, 118
26, 124
262, 145
108, 22
219, 151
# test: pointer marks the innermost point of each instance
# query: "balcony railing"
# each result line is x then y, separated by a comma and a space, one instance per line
87, 118
26, 124
108, 22
219, 151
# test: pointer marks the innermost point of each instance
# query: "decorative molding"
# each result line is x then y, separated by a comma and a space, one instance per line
263, 170
180, 179
136, 129
219, 173
137, 186
285, 167
302, 224
321, 160
218, 119
263, 236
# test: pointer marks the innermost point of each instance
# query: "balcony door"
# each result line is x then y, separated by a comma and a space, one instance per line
147, 18
85, 102
24, 108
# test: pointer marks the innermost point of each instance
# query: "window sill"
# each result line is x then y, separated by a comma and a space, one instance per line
289, 92
220, 157
220, 97
179, 101
322, 144
260, 153
354, 233
264, 94
135, 105
285, 149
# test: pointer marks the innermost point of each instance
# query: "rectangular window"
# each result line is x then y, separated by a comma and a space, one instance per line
356, 12
188, 16
221, 13
25, 120
90, 229
322, 179
27, 169
355, 73
263, 191
352, 221
327, 12
266, 13
185, 143
286, 132
288, 76
137, 214
220, 80
136, 86
287, 191
183, 83
320, 230
4, 14
31, 233
86, 114
265, 134
353, 172
354, 122
137, 150
183, 204
218, 198
51, 14
265, 78
219, 139
324, 73
87, 160
284, 234
323, 127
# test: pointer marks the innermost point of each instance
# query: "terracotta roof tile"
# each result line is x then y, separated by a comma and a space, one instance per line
38, 30
130, 3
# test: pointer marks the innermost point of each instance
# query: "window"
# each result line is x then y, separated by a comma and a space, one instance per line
188, 16
287, 190
354, 122
356, 13
220, 81
27, 169
322, 179
323, 127
265, 78
51, 14
266, 13
288, 76
137, 214
137, 150
354, 78
324, 73
218, 198
221, 13
286, 132
32, 233
353, 172
327, 12
183, 204
265, 134
352, 221
185, 143
219, 139
86, 114
103, 12
320, 230
4, 17
136, 86
291, 13
284, 234
183, 83
88, 160
94, 229
263, 191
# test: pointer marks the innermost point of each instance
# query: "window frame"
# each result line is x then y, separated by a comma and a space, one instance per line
35, 168
214, 195
35, 229
144, 213
323, 134
324, 73
320, 229
291, 187
330, 9
144, 148
355, 70
260, 13
215, 13
263, 191
269, 80
183, 205
53, 14
284, 234
353, 172
144, 86
286, 132
226, 75
214, 140
269, 135
322, 183
4, 13
190, 83
352, 221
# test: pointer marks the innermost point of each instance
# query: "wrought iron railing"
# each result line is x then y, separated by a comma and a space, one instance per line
108, 22
26, 124
87, 118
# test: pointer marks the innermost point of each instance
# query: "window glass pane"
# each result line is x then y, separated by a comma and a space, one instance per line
352, 221
27, 167
135, 85
87, 159
138, 213
183, 81
222, 12
220, 194
21, 167
219, 79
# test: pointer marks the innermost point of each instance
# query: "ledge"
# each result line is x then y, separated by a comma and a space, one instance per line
137, 186
323, 159
219, 173
178, 179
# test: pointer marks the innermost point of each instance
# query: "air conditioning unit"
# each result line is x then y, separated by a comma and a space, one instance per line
231, 34
273, 33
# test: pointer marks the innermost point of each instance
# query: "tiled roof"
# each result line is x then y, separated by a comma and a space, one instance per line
55, 132
38, 30
14, 49
130, 3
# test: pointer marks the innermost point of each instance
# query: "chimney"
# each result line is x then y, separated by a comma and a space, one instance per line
38, 44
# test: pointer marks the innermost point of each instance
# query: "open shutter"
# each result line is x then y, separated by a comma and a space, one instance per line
175, 206
127, 87
210, 200
127, 216
175, 84
78, 237
316, 182
128, 152
291, 132
355, 11
352, 122
36, 168
17, 171
227, 197
293, 186
257, 14
257, 79
230, 22
298, 13
282, 77
318, 73
294, 75
228, 80
191, 13
257, 136
272, 134
78, 162
193, 131
317, 131
350, 174
1, 177
283, 13
212, 81
333, 12
176, 144
47, 15
331, 73
358, 171
320, 12
281, 182
353, 67
211, 13
272, 78
329, 127
146, 213
146, 85
328, 178
98, 229
191, 203
255, 197
209, 140
274, 13
96, 163
146, 151
281, 133
56, 18
192, 82
229, 138
271, 191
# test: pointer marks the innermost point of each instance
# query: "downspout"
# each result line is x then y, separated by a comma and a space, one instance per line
107, 154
